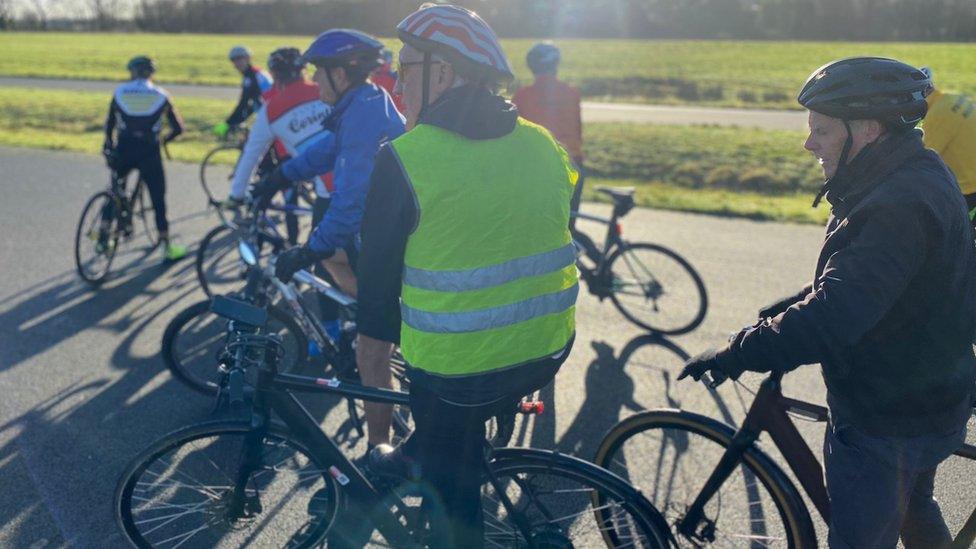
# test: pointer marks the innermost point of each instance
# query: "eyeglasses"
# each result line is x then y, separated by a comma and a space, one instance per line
401, 65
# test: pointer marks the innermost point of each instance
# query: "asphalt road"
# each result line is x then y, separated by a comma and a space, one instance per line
82, 389
592, 111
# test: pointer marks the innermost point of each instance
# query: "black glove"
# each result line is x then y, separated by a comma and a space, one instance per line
263, 190
291, 261
722, 359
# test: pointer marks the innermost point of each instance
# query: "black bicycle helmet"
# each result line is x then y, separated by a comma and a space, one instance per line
285, 64
868, 88
543, 58
141, 65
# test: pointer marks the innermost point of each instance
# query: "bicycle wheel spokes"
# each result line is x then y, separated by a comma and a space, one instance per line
563, 509
671, 465
96, 238
657, 289
184, 495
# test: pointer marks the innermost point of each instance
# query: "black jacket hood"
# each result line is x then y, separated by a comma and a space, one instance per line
472, 111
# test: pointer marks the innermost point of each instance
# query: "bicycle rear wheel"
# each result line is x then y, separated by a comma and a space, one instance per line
95, 240
181, 491
669, 455
143, 209
657, 289
567, 502
194, 339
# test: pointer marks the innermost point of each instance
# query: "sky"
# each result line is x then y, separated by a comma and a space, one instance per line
66, 8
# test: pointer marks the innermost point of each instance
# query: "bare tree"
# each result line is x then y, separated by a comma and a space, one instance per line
6, 14
40, 12
103, 13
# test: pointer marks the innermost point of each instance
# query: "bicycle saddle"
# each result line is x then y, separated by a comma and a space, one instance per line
617, 193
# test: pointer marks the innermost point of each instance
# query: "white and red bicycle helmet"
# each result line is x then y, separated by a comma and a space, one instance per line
461, 38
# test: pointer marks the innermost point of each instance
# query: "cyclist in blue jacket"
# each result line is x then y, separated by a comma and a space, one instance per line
363, 118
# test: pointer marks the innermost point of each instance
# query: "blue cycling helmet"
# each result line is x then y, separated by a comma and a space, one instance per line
543, 58
357, 52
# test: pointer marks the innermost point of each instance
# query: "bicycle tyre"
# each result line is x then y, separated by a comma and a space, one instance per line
208, 178
630, 310
795, 528
294, 361
83, 235
205, 250
138, 206
591, 521
162, 488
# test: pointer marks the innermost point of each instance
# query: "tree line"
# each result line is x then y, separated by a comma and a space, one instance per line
903, 20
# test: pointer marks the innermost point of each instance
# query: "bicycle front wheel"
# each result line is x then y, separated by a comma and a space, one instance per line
670, 454
216, 174
96, 238
564, 502
194, 339
219, 267
219, 485
657, 289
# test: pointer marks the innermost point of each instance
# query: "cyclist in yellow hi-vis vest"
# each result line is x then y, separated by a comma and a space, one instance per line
950, 130
466, 260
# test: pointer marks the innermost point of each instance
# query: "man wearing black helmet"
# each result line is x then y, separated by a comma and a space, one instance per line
891, 312
135, 120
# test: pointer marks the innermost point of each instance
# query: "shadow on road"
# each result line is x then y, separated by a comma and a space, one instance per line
71, 446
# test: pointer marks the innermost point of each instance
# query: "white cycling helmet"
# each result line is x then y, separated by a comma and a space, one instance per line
461, 38
237, 52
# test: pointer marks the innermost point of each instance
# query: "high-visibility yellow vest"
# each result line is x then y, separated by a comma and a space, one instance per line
950, 130
490, 279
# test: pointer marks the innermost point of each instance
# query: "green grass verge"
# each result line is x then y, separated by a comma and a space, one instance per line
724, 73
794, 208
661, 161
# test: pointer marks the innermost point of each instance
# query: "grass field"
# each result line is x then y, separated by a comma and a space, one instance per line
715, 170
728, 73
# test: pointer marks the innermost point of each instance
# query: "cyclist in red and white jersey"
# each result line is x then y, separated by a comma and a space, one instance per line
292, 116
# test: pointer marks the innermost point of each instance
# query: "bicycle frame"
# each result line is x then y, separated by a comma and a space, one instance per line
595, 277
770, 412
386, 511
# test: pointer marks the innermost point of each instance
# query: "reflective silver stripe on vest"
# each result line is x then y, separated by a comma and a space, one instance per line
493, 275
493, 317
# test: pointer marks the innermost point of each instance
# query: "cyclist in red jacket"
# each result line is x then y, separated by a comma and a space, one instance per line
554, 105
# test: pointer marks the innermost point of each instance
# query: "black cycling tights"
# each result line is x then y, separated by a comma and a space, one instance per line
149, 162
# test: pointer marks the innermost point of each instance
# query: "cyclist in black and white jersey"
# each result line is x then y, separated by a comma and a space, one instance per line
132, 140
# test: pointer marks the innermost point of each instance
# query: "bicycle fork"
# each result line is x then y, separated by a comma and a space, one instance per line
241, 506
689, 525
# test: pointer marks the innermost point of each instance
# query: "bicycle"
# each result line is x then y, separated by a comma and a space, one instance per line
218, 265
724, 504
108, 217
216, 174
646, 282
194, 341
269, 483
